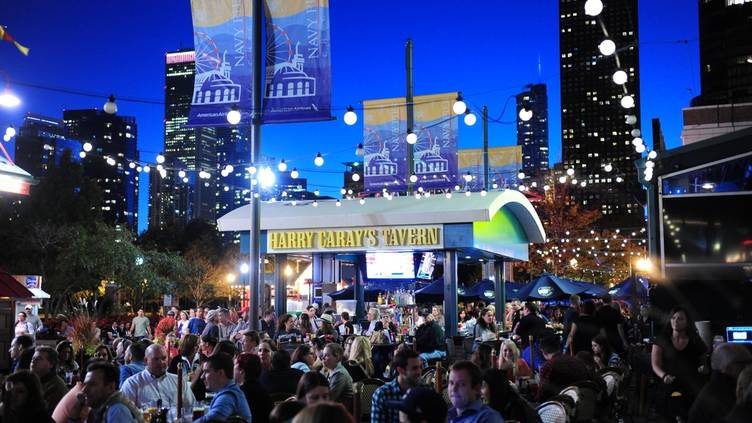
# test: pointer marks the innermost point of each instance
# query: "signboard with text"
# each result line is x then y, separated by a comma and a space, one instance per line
416, 237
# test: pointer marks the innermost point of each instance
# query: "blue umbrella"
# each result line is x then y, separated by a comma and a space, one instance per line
549, 287
432, 293
349, 294
485, 290
591, 289
623, 290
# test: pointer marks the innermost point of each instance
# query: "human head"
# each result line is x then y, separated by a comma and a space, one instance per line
188, 345
550, 346
21, 316
286, 323
313, 387
100, 382
156, 360
103, 353
218, 371
281, 360
419, 405
211, 316
285, 411
680, 321
530, 308
373, 314
464, 384
601, 347
247, 368
200, 313
184, 315
265, 351
23, 391
332, 355
140, 312
495, 389
207, 344
222, 315
345, 316
136, 352
574, 301
311, 310
324, 411
250, 341
326, 321
408, 365
20, 343
304, 354
730, 359
509, 352
482, 356
488, 317
44, 361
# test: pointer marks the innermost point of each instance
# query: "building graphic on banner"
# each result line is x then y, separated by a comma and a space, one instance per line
504, 163
213, 83
285, 78
377, 160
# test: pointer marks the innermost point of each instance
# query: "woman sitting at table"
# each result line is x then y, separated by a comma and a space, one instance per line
482, 357
511, 362
303, 358
485, 329
286, 331
304, 324
326, 328
359, 362
603, 355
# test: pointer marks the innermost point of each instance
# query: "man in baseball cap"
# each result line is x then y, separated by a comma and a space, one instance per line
420, 405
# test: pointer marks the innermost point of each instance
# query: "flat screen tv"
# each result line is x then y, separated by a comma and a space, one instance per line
427, 263
388, 265
739, 334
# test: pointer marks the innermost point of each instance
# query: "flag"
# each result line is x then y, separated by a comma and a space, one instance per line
9, 38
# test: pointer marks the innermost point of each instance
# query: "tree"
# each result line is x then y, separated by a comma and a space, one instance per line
206, 278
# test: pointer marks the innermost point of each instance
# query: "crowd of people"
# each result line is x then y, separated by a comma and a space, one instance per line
209, 364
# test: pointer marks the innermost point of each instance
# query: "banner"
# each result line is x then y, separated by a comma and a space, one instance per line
434, 154
503, 165
298, 84
222, 40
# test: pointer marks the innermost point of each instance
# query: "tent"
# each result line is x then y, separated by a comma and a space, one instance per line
549, 287
432, 293
623, 290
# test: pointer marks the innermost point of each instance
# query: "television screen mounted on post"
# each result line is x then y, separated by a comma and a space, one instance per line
389, 265
427, 263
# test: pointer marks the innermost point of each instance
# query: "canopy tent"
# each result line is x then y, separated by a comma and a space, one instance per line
624, 289
432, 293
592, 290
549, 287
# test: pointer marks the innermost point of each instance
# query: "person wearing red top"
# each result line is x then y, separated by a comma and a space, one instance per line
165, 326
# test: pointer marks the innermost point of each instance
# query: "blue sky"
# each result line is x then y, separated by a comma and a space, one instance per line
489, 49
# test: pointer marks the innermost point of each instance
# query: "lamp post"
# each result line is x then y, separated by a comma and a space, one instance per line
409, 113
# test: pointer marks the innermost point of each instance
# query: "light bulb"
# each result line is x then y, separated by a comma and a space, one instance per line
362, 201
282, 166
525, 114
350, 116
8, 99
319, 160
147, 169
637, 141
359, 150
110, 107
470, 119
521, 175
338, 203
619, 179
593, 7
649, 164
111, 161
294, 173
448, 195
10, 131
411, 138
468, 177
608, 167
229, 168
631, 119
159, 167
627, 102
315, 203
562, 179
607, 47
181, 174
640, 148
483, 193
233, 116
266, 177
160, 158
87, 147
459, 106
636, 132
355, 177
343, 191
570, 171
82, 154
413, 178
652, 155
620, 77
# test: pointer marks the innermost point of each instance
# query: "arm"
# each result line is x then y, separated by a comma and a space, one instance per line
221, 408
377, 406
337, 386
656, 362
130, 391
570, 338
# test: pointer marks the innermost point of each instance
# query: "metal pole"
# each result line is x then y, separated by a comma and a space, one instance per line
485, 148
254, 247
409, 107
280, 283
450, 293
500, 292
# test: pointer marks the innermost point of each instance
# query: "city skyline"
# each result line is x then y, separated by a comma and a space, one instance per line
487, 61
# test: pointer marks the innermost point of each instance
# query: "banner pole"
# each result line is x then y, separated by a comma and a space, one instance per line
485, 148
409, 114
254, 247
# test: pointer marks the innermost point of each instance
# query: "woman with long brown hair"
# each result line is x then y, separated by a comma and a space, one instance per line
23, 401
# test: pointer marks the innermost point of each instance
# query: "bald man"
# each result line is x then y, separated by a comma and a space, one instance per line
154, 385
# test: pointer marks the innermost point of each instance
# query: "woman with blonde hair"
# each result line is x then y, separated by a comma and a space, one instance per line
360, 362
511, 362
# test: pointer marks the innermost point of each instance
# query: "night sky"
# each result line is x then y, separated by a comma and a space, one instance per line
489, 49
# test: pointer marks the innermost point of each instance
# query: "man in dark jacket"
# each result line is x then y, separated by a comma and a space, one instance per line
530, 324
559, 370
717, 396
429, 339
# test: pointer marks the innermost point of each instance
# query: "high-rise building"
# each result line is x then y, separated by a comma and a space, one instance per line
169, 195
593, 123
725, 52
41, 142
114, 137
532, 134
195, 148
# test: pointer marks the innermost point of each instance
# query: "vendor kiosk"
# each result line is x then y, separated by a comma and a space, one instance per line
491, 227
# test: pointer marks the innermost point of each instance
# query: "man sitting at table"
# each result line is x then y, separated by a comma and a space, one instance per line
408, 366
154, 385
429, 339
228, 400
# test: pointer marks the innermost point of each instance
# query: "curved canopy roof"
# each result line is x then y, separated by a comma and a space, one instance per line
436, 209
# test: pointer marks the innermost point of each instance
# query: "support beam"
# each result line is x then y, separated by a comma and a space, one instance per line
450, 293
280, 284
500, 292
360, 293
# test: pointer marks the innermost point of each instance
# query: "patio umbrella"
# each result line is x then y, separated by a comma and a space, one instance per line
348, 293
484, 290
549, 287
623, 290
432, 293
592, 290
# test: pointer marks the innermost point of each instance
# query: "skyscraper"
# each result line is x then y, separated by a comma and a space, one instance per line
532, 135
594, 130
725, 52
114, 137
169, 195
41, 142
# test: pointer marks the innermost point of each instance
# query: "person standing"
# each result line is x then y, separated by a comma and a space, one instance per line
165, 326
197, 323
611, 321
212, 329
44, 365
570, 316
465, 382
530, 324
408, 366
32, 318
23, 326
140, 327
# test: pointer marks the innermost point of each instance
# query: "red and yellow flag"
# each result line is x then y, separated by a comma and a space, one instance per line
4, 36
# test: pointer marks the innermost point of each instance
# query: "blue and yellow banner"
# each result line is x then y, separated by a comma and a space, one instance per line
222, 40
298, 82
503, 165
384, 140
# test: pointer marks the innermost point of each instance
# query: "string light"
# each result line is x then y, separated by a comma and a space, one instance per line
282, 166
233, 116
459, 105
350, 117
319, 160
607, 47
411, 138
294, 174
